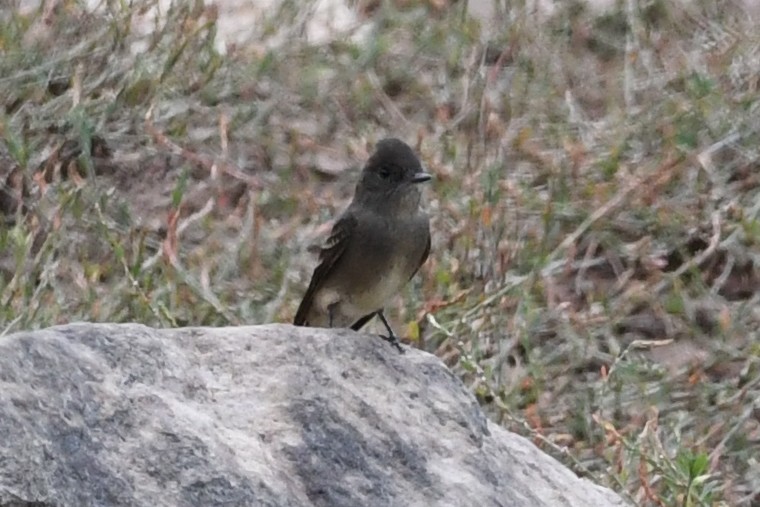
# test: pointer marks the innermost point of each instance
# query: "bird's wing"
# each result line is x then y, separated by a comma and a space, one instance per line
425, 256
328, 256
363, 321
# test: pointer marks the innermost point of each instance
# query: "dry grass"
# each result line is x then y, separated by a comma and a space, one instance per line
595, 267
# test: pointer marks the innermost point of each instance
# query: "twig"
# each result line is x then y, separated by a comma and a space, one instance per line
723, 277
271, 308
384, 99
207, 295
635, 345
694, 261
738, 424
632, 49
201, 160
198, 215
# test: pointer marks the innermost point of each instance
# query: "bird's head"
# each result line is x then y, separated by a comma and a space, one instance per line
391, 177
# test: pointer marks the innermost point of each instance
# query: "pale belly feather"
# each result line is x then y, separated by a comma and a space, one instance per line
378, 296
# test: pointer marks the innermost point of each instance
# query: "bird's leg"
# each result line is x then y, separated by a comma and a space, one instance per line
391, 338
331, 312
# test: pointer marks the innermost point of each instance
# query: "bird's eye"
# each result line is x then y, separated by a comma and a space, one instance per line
384, 173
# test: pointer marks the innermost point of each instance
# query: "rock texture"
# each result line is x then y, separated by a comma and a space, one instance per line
125, 415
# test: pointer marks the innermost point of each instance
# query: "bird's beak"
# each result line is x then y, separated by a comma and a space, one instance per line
421, 177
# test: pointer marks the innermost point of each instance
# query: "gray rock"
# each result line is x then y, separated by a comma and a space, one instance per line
126, 415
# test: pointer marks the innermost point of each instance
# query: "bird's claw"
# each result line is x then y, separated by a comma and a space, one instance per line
394, 341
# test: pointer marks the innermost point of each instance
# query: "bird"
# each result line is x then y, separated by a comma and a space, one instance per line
375, 247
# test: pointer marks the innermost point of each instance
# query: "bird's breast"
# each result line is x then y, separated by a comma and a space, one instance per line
379, 289
389, 262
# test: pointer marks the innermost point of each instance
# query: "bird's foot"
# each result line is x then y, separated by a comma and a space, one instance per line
393, 341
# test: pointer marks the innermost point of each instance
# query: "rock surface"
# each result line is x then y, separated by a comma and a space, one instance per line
126, 415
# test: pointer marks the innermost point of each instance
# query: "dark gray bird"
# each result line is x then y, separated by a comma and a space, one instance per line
375, 247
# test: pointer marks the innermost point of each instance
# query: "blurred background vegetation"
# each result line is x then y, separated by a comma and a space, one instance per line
594, 275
